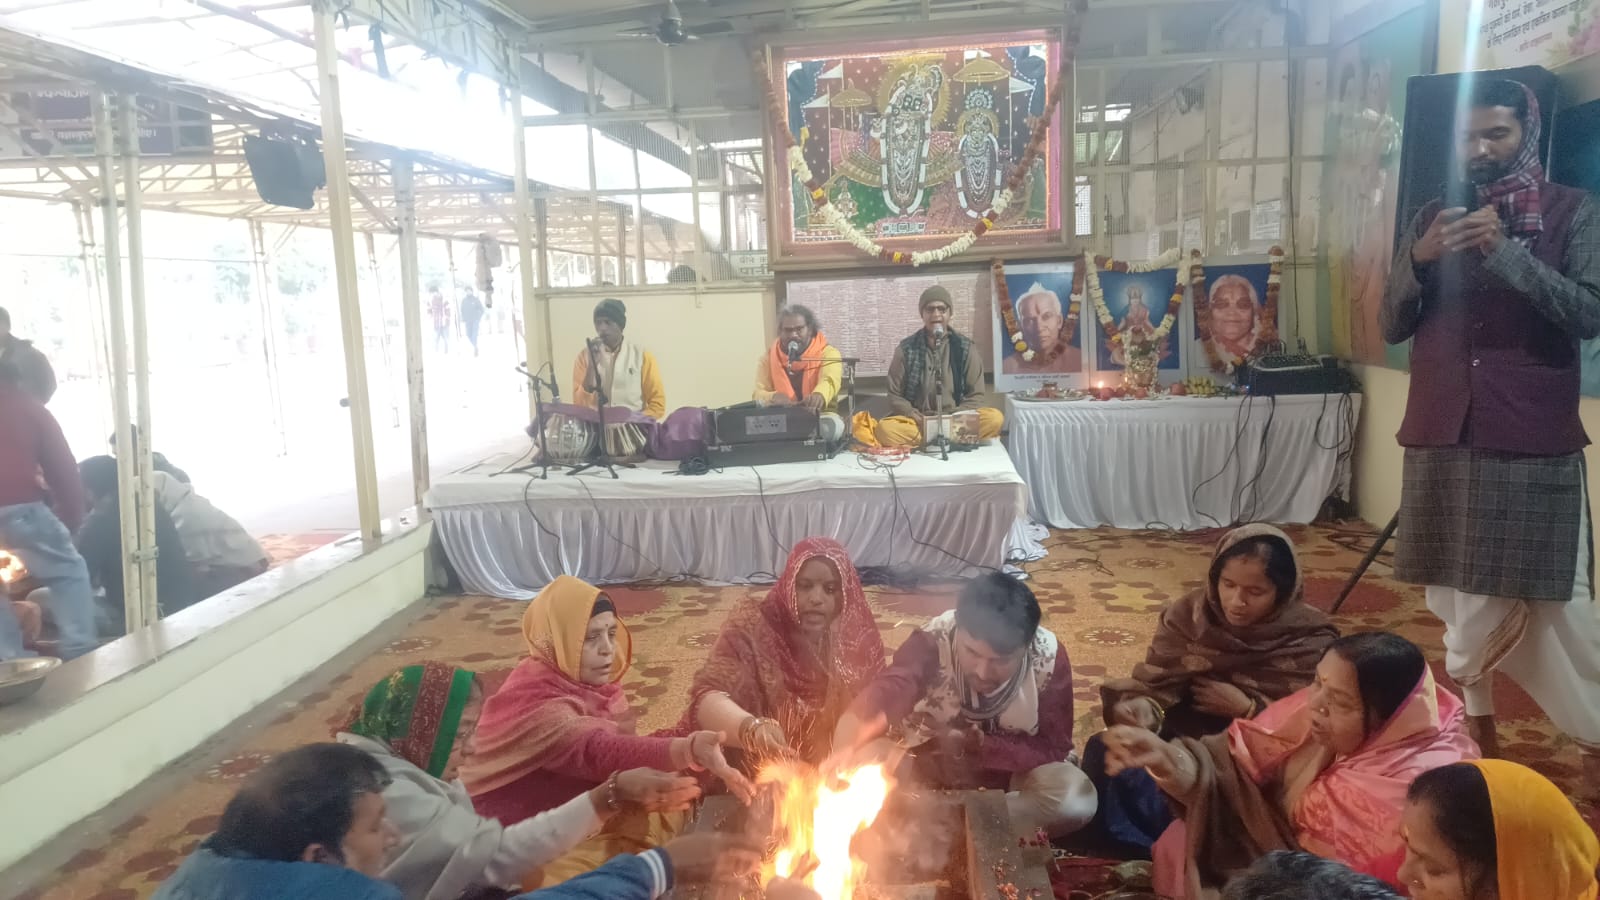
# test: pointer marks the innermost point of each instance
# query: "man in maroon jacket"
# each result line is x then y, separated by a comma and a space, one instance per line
981, 697
30, 443
1494, 519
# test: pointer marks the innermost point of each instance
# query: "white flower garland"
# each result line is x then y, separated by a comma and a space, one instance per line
1097, 296
847, 229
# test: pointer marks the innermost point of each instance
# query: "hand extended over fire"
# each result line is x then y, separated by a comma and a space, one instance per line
656, 791
1134, 748
702, 752
705, 856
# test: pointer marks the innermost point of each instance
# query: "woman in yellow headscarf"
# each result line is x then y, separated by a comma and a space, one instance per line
559, 726
1494, 829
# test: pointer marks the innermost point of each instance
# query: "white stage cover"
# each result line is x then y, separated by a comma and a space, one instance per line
1185, 462
732, 526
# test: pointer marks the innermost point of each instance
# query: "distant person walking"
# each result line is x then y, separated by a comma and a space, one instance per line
439, 308
472, 317
34, 374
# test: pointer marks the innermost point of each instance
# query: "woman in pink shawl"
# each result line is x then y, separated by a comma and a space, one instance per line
1325, 769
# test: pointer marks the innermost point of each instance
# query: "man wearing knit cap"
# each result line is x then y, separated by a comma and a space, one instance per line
628, 373
935, 370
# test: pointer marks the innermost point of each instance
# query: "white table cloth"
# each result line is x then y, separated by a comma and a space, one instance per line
1182, 462
509, 535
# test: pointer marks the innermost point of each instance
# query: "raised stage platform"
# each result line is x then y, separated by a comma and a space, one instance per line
509, 535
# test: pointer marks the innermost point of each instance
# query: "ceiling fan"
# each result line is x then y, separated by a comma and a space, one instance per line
671, 31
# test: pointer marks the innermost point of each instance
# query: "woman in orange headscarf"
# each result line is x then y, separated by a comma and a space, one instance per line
1494, 829
559, 726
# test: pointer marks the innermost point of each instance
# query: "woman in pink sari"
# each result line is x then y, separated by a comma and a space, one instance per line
1324, 770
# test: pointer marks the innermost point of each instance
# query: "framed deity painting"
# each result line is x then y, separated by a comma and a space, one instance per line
912, 142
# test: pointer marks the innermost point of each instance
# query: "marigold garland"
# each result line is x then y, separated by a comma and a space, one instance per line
1098, 297
830, 213
1008, 315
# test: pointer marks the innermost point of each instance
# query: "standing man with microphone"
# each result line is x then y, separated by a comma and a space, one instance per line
1496, 288
802, 368
937, 370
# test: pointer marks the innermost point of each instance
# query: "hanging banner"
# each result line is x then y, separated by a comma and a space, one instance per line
61, 122
1511, 33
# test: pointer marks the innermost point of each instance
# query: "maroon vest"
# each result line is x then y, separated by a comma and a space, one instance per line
1487, 371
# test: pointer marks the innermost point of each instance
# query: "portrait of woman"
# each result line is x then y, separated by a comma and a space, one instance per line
1233, 315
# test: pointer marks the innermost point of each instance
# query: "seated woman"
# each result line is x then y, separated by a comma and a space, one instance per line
785, 667
1220, 653
418, 723
560, 726
1494, 830
1323, 770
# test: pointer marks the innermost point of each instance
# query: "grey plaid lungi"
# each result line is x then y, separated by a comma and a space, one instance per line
1484, 522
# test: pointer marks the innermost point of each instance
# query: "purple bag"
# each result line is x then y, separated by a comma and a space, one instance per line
682, 434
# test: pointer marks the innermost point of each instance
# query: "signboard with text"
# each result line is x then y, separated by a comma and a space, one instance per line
58, 122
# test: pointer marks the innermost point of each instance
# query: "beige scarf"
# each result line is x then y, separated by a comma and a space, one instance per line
943, 707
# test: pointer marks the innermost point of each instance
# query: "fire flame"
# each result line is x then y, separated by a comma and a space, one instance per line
10, 567
817, 819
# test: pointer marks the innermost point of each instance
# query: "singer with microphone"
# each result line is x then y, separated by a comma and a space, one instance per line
802, 368
937, 370
624, 375
1496, 286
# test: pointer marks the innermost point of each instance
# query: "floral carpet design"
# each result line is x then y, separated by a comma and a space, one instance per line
1101, 592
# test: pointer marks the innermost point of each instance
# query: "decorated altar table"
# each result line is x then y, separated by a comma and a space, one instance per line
1182, 462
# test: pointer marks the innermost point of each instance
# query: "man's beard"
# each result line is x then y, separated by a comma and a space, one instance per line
1487, 173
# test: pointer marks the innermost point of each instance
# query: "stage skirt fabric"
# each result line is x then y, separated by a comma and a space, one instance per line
509, 535
1186, 462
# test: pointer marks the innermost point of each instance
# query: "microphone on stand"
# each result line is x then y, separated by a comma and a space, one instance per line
938, 332
555, 387
794, 353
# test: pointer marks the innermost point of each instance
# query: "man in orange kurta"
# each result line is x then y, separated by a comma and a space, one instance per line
802, 369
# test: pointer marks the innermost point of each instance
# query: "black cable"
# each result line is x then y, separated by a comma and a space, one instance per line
766, 511
600, 520
1235, 505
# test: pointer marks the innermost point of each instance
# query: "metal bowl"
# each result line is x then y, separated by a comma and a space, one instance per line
20, 678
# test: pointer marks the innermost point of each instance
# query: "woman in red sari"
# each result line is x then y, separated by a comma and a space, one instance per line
786, 666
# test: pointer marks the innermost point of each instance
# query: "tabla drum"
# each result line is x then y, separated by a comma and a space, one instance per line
567, 440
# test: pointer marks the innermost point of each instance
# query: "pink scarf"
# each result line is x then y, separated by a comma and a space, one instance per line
1349, 809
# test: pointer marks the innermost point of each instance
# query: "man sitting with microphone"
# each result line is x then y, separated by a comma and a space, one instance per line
802, 368
936, 371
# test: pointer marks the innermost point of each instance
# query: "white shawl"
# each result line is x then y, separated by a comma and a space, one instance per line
941, 708
447, 849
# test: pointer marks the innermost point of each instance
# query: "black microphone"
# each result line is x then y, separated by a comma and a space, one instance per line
938, 332
794, 351
555, 387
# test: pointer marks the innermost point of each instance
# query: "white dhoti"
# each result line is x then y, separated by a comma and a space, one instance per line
1550, 648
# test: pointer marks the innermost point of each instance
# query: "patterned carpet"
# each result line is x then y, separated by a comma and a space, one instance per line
1101, 592
283, 547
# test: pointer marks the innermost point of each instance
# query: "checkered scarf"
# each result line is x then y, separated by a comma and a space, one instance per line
1515, 195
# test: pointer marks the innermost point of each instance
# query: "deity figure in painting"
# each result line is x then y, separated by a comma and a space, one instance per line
903, 134
979, 153
1136, 324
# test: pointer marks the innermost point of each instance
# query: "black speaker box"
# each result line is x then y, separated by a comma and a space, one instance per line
1428, 149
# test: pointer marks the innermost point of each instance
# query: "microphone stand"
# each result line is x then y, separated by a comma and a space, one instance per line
941, 356
602, 457
849, 365
542, 460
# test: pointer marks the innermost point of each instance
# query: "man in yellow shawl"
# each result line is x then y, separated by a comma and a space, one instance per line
938, 369
802, 369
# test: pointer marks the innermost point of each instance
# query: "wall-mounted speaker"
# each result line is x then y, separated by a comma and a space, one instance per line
286, 173
1428, 147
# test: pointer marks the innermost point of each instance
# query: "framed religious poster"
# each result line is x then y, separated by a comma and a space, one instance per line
1137, 303
1037, 337
911, 146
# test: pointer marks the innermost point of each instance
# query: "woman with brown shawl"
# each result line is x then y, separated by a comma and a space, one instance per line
786, 666
1220, 653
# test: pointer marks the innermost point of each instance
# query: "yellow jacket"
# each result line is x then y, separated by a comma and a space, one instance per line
829, 377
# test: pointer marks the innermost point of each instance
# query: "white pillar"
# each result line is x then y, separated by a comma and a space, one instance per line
344, 263
522, 216
411, 314
144, 485
105, 148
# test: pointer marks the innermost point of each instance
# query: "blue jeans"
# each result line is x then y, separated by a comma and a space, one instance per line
32, 533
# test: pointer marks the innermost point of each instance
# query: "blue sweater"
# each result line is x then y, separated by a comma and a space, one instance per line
207, 875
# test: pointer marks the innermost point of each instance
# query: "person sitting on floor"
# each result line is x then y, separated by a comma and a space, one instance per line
100, 542
937, 369
982, 697
1494, 830
802, 368
1324, 770
628, 378
311, 825
784, 667
418, 722
222, 554
1220, 653
157, 461
556, 729
1297, 875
